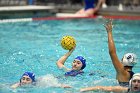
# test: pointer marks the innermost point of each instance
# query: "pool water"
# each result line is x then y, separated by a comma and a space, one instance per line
35, 46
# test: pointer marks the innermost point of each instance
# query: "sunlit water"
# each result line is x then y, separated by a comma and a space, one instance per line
35, 46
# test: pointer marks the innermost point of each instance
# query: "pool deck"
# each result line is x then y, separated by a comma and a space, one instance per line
114, 10
8, 12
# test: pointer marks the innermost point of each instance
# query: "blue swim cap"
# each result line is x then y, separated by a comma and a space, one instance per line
82, 60
30, 74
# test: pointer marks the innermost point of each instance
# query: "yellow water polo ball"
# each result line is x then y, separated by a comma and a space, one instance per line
68, 42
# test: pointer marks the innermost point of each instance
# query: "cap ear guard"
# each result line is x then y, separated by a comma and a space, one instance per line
129, 59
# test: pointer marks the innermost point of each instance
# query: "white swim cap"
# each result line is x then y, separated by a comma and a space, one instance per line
129, 59
134, 77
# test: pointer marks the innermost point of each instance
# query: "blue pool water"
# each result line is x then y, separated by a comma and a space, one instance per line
35, 46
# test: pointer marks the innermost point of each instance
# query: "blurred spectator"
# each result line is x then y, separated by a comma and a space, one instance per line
127, 2
90, 9
136, 2
131, 2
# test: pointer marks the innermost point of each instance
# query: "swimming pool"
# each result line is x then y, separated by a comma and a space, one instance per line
35, 46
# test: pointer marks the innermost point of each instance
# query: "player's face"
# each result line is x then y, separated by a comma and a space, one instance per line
136, 85
26, 80
77, 64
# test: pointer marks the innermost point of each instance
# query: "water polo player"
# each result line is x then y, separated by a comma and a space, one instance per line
78, 64
124, 67
134, 87
26, 78
134, 83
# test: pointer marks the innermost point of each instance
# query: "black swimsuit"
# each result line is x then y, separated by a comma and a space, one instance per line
126, 84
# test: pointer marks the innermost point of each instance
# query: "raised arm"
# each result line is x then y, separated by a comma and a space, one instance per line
117, 89
112, 50
61, 61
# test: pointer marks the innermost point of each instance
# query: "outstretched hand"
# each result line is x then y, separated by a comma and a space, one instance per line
109, 25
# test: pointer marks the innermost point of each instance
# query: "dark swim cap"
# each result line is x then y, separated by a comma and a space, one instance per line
82, 60
30, 74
